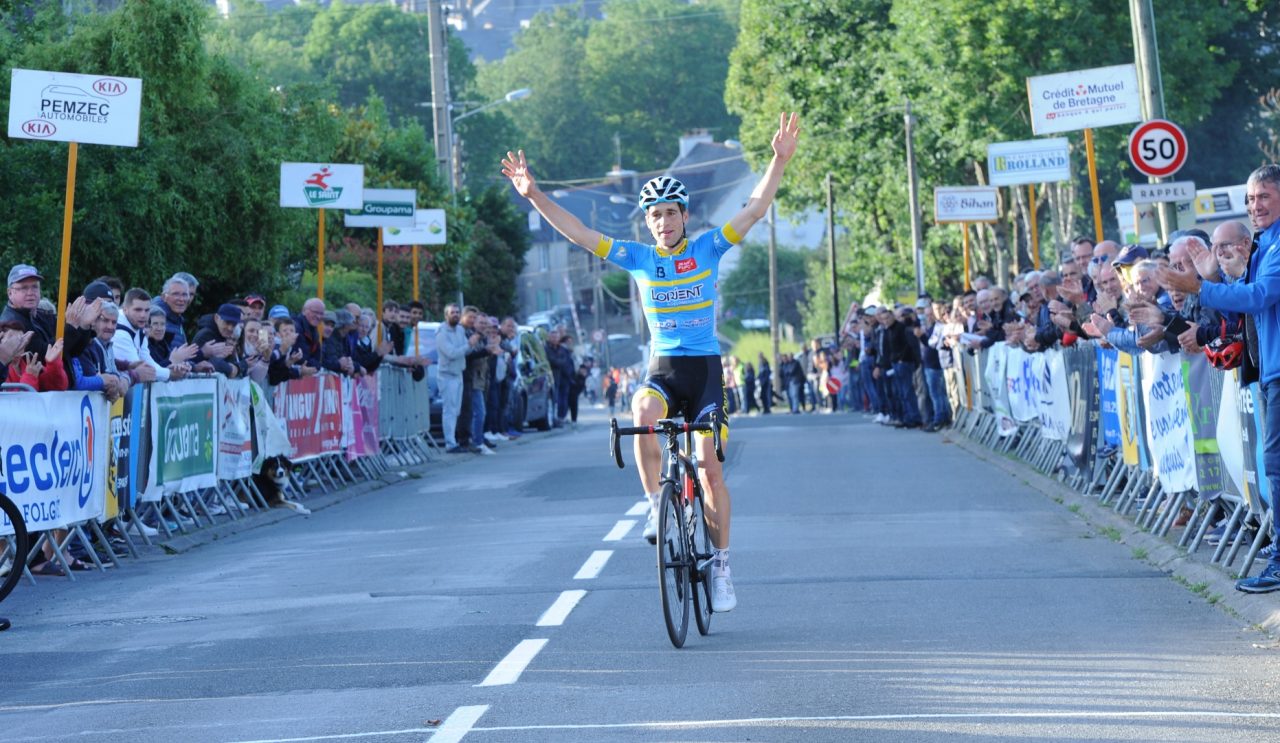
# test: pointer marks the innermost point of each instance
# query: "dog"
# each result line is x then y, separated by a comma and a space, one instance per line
272, 479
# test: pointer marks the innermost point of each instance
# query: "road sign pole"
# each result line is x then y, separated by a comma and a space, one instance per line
1035, 227
320, 258
1147, 52
68, 209
379, 310
415, 277
1093, 184
965, 226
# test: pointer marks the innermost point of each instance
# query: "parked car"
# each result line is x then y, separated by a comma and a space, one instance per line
533, 381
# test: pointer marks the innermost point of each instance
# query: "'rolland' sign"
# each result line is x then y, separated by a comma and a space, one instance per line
1031, 161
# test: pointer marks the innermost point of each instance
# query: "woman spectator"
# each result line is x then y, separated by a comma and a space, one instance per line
45, 374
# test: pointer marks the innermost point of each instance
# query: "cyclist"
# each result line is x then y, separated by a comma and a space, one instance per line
677, 278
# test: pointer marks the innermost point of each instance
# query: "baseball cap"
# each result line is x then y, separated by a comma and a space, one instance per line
341, 318
870, 309
1130, 255
922, 303
255, 299
96, 290
278, 311
330, 317
229, 313
23, 271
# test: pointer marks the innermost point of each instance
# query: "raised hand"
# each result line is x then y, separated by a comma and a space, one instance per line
1206, 262
183, 353
34, 365
1102, 324
1187, 339
515, 167
54, 353
1146, 313
784, 140
1175, 280
12, 345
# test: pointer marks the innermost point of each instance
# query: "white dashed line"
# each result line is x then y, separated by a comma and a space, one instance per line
509, 668
619, 530
594, 564
458, 724
639, 509
559, 611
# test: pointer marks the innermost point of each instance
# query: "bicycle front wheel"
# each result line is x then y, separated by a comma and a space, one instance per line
673, 565
17, 542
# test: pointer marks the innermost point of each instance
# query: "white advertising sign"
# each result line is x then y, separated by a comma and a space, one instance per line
235, 434
1030, 161
66, 107
428, 229
384, 207
1169, 437
55, 457
1055, 400
1084, 99
1155, 193
964, 204
321, 186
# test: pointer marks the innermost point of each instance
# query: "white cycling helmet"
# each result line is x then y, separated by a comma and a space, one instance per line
662, 190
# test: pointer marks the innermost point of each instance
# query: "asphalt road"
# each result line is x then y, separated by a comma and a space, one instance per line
891, 588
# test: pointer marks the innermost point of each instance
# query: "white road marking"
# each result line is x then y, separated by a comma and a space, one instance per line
559, 611
458, 724
639, 509
342, 736
509, 668
757, 721
594, 564
619, 530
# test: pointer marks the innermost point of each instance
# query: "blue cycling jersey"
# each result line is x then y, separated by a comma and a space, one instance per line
677, 288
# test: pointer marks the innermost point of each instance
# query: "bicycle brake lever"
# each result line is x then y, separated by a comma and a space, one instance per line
614, 445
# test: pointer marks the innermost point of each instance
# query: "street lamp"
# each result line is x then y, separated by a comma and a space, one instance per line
455, 167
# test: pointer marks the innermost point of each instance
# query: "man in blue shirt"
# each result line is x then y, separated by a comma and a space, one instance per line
1258, 296
677, 281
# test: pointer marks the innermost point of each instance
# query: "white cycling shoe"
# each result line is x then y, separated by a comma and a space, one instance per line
650, 532
723, 598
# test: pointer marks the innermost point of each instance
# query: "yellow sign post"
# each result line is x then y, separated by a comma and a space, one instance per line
320, 258
1093, 184
1035, 227
68, 209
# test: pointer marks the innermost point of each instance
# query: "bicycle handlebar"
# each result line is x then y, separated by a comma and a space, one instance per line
664, 427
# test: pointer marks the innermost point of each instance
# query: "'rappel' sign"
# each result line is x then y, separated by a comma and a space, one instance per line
1158, 148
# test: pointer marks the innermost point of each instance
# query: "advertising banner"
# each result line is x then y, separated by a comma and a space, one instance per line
1127, 404
1168, 421
270, 438
1231, 437
1109, 406
1084, 99
184, 419
118, 432
1204, 400
235, 436
997, 363
55, 449
429, 228
956, 204
1083, 392
311, 410
1250, 424
66, 107
364, 417
322, 186
1031, 161
1054, 404
139, 443
1023, 384
384, 207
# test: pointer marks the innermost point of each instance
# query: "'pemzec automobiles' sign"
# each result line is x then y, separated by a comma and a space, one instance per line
66, 107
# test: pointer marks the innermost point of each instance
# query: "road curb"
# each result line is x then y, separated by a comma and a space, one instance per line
1260, 610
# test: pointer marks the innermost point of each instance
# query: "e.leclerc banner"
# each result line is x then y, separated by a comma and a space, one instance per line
184, 428
66, 107
54, 461
311, 409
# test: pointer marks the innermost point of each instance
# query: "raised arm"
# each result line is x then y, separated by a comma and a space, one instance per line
515, 168
784, 146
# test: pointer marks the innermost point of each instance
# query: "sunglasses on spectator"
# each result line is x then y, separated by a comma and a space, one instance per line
1099, 259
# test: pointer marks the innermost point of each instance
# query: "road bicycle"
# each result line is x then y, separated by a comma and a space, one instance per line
16, 544
684, 545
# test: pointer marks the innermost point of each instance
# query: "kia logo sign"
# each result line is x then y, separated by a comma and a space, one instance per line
109, 86
39, 128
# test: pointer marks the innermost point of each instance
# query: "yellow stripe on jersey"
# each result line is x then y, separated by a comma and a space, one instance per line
673, 282
603, 247
731, 234
681, 308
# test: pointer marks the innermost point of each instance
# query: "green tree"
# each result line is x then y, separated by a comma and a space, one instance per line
744, 293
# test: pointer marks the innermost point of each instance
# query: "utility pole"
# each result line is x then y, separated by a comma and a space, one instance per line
1148, 63
831, 249
917, 244
773, 290
441, 125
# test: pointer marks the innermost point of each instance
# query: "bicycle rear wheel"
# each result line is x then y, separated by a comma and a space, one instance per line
18, 541
673, 565
700, 542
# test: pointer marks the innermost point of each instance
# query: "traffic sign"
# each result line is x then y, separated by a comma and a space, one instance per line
1169, 191
1158, 148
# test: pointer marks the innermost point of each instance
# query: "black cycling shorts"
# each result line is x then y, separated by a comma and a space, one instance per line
690, 386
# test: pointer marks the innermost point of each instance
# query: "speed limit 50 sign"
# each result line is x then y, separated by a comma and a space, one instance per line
1158, 148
